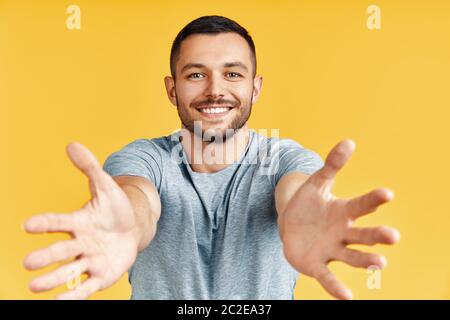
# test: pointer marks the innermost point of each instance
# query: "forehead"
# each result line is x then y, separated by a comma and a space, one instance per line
214, 49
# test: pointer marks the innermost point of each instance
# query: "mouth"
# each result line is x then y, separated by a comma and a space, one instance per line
214, 112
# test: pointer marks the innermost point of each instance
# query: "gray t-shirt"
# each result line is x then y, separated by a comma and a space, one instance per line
217, 237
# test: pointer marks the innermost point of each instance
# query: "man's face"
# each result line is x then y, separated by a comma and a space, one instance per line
214, 82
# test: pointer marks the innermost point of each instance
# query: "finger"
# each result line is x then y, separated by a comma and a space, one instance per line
368, 202
59, 276
334, 162
50, 222
83, 291
372, 236
86, 162
57, 252
331, 284
359, 259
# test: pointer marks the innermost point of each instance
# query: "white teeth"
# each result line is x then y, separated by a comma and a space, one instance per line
214, 110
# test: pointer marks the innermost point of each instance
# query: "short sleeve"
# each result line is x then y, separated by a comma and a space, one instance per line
139, 158
288, 156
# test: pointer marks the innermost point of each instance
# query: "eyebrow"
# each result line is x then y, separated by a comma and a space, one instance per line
226, 65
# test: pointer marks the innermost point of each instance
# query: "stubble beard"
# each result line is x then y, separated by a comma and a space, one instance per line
211, 135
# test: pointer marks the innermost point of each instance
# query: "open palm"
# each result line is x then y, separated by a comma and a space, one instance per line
318, 225
102, 239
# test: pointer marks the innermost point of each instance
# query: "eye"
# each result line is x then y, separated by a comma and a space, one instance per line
234, 74
196, 74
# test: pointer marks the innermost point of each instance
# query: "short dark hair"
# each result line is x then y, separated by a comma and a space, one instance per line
210, 25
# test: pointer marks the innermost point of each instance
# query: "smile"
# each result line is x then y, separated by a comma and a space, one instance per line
214, 112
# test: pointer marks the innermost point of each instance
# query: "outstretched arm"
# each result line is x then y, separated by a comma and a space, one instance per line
316, 226
106, 233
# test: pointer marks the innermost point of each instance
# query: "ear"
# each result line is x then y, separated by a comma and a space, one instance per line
257, 85
170, 89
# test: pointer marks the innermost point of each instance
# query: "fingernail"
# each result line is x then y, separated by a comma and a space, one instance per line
383, 261
396, 236
347, 295
390, 194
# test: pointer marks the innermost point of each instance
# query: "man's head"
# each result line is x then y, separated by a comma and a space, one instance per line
213, 67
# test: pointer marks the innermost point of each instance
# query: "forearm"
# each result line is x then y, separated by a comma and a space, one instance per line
284, 192
146, 214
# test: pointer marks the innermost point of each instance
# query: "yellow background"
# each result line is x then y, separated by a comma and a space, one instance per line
326, 77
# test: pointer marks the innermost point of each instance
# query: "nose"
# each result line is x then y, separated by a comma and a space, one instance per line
214, 89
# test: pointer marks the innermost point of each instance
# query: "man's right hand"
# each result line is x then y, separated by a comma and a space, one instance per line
104, 242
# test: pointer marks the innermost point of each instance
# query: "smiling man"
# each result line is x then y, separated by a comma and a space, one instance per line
214, 210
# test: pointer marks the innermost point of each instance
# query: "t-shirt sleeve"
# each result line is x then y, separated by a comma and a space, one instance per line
290, 156
140, 158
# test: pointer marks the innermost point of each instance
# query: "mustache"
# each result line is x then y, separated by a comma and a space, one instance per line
211, 102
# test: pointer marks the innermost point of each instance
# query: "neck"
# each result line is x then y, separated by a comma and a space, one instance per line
209, 157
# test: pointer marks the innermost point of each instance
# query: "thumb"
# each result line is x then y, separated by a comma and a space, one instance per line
86, 162
334, 162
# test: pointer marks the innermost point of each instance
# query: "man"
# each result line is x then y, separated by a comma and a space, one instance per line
199, 214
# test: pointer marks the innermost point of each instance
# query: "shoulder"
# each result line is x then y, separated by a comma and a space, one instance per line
159, 146
283, 155
281, 146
